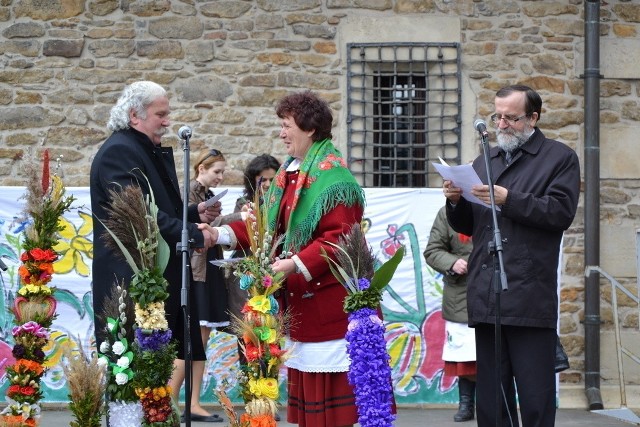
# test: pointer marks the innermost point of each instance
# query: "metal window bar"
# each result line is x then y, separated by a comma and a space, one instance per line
403, 111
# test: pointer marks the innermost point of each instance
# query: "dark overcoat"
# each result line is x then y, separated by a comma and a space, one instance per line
122, 160
543, 183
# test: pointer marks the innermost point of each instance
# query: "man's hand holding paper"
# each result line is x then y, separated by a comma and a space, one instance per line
461, 180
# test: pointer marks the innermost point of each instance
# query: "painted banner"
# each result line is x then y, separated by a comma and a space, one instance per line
411, 305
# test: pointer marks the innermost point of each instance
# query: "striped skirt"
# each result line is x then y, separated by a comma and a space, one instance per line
320, 399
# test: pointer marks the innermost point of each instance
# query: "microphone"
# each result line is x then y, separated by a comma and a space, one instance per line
481, 126
184, 132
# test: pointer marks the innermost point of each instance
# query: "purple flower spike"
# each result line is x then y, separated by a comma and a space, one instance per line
152, 341
370, 372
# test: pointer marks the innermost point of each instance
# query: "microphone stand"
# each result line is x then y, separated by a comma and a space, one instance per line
183, 248
499, 276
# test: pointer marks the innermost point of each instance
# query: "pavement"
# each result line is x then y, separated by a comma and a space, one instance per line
406, 417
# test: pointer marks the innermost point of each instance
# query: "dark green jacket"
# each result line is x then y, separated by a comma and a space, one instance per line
443, 250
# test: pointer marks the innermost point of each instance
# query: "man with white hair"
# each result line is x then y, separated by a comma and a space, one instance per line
133, 155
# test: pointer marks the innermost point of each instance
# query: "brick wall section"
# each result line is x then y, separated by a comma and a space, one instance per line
226, 63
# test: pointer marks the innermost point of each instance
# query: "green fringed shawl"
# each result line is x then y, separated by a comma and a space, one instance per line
323, 182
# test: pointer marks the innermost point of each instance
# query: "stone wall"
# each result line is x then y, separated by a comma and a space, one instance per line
225, 64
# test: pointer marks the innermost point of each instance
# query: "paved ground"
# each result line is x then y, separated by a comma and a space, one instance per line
407, 417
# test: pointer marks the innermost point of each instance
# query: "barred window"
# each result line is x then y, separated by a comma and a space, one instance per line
403, 111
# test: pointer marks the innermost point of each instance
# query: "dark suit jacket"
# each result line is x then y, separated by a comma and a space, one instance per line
126, 158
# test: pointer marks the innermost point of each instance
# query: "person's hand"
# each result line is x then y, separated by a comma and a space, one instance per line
208, 214
210, 235
287, 266
482, 193
451, 192
459, 267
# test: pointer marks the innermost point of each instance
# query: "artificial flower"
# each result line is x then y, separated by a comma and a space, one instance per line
267, 387
122, 378
260, 303
118, 348
123, 362
104, 347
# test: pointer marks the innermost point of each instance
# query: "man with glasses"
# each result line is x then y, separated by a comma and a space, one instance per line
536, 187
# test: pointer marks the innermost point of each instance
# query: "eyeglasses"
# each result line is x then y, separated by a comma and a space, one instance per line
510, 120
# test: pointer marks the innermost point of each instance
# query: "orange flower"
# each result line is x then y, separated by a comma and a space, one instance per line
25, 365
46, 267
258, 420
24, 273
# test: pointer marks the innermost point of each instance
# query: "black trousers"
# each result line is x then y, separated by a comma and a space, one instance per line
527, 363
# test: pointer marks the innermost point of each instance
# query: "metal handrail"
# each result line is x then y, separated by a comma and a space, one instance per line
615, 285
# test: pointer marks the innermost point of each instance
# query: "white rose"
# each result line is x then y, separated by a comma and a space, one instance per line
123, 362
122, 378
104, 347
118, 348
103, 362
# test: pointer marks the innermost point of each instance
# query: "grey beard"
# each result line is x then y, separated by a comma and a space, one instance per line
509, 142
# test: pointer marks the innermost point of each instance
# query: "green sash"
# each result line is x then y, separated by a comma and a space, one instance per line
323, 182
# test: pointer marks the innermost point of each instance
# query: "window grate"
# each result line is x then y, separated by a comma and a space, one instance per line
404, 104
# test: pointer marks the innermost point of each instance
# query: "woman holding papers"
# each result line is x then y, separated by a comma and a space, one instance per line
209, 289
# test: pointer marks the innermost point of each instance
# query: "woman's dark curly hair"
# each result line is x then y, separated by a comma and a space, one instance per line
253, 170
309, 112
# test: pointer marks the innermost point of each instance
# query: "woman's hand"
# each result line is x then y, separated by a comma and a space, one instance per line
286, 266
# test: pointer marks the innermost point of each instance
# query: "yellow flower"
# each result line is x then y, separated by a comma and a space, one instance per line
31, 290
74, 246
267, 387
151, 317
260, 303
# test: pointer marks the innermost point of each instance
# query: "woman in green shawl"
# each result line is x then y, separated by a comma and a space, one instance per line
313, 200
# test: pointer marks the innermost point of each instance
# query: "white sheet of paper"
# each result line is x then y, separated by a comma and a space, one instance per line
212, 201
462, 176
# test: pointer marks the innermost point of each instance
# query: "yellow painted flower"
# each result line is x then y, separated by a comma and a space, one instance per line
74, 246
267, 387
260, 303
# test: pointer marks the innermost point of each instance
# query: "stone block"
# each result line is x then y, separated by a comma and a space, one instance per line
64, 48
622, 152
23, 30
618, 58
618, 242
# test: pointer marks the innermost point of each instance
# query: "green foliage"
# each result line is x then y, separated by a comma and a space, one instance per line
147, 286
83, 410
154, 367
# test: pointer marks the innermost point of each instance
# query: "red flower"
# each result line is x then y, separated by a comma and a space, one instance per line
275, 350
27, 390
281, 180
24, 257
13, 390
326, 165
252, 353
43, 255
